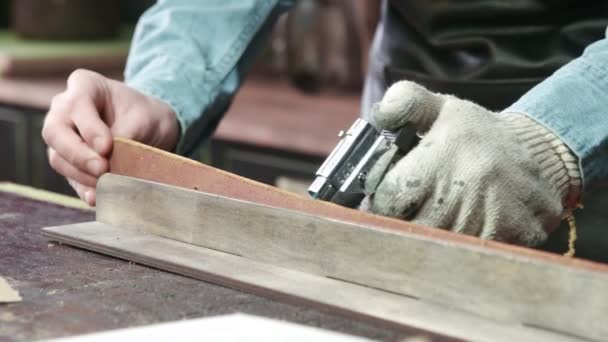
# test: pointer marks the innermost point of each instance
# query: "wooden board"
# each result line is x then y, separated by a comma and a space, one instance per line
43, 195
349, 299
133, 159
70, 291
493, 283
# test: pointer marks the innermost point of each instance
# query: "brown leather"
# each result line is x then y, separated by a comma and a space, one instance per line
133, 159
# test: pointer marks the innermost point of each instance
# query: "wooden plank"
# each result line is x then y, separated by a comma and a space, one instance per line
349, 299
133, 159
43, 195
498, 284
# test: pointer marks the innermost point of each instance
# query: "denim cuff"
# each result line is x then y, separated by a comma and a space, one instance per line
170, 88
572, 104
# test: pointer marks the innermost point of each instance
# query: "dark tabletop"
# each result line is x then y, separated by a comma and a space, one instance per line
68, 291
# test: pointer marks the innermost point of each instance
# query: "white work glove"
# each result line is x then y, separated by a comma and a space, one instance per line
497, 176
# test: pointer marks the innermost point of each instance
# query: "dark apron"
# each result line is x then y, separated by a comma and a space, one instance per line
489, 52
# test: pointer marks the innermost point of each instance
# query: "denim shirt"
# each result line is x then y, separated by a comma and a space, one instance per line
194, 54
573, 104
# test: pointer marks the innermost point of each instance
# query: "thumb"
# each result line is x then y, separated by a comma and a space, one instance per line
407, 101
93, 130
405, 188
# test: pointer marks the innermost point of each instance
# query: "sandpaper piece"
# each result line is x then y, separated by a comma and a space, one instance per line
7, 293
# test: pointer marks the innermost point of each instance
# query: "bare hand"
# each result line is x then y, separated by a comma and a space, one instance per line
82, 121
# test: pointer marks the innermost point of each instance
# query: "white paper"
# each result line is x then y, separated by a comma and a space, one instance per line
230, 328
7, 293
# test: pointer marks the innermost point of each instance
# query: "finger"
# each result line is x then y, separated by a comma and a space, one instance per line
94, 88
60, 130
68, 170
85, 193
447, 208
521, 230
90, 196
407, 101
470, 216
512, 222
79, 188
404, 189
86, 95
530, 234
377, 172
61, 137
366, 203
92, 129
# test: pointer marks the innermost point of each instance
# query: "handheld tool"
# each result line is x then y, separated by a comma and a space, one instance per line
342, 178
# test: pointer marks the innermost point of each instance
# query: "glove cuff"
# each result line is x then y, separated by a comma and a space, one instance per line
557, 163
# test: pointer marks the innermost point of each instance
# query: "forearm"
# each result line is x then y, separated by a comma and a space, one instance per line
573, 103
193, 55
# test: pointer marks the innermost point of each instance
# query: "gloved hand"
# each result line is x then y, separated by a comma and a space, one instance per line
497, 176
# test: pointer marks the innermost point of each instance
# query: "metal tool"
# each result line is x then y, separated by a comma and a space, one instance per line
342, 178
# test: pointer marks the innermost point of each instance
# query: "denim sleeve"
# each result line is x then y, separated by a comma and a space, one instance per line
193, 55
573, 104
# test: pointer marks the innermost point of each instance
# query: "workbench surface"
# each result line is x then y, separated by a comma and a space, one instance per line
68, 291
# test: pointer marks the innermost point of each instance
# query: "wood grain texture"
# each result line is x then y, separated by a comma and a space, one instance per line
347, 298
43, 195
493, 283
133, 159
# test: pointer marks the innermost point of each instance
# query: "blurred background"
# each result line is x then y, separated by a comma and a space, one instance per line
279, 129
